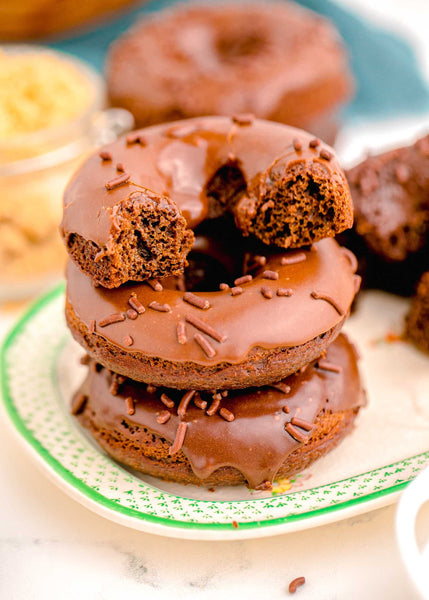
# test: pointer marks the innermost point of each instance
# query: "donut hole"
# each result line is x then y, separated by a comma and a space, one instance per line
224, 188
234, 46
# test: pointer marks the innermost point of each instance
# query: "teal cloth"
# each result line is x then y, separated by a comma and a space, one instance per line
388, 80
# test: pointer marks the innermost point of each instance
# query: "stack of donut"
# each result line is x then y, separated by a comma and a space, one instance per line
209, 294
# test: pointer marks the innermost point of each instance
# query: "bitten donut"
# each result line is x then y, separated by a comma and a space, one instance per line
245, 436
276, 60
125, 208
391, 201
269, 322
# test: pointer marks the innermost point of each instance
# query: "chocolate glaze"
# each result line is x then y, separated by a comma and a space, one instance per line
179, 159
273, 59
255, 442
247, 320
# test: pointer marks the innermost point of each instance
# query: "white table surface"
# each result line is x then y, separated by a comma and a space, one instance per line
53, 548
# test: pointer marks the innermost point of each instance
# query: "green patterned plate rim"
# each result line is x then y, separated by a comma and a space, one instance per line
91, 477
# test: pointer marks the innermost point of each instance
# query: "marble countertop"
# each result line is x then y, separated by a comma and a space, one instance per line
53, 548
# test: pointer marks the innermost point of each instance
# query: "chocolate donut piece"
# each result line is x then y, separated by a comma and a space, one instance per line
275, 60
258, 331
390, 194
281, 185
417, 320
247, 436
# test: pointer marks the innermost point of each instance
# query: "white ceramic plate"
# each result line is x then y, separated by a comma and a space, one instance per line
387, 449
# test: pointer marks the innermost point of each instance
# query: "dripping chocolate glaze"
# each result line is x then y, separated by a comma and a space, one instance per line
255, 442
178, 160
243, 319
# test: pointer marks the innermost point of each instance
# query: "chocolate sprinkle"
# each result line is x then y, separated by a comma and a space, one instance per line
226, 414
325, 365
135, 138
155, 285
114, 387
128, 340
92, 326
79, 404
236, 291
243, 119
151, 389
295, 433
132, 314
243, 279
184, 402
105, 155
179, 439
292, 260
135, 303
294, 585
302, 423
314, 143
270, 275
120, 167
195, 300
266, 292
84, 360
205, 345
217, 396
199, 402
224, 393
166, 400
297, 145
129, 403
282, 387
325, 154
163, 417
159, 307
213, 407
113, 318
205, 328
117, 181
223, 286
286, 409
287, 292
181, 332
329, 300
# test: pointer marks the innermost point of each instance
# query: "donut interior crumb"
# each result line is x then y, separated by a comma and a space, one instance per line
148, 239
295, 206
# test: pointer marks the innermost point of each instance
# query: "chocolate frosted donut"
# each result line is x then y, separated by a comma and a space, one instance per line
275, 60
125, 208
391, 201
247, 436
269, 323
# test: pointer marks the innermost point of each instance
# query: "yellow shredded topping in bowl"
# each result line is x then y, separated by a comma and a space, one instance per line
38, 91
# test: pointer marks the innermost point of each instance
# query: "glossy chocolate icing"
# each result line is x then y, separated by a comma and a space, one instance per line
277, 60
255, 442
178, 160
247, 320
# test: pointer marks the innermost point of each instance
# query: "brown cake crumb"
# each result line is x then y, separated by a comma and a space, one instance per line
148, 239
296, 204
